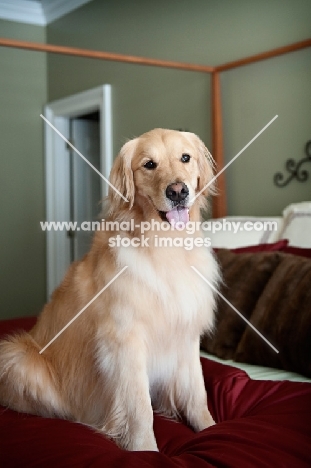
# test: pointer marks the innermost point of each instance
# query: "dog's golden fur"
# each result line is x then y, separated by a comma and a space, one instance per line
137, 345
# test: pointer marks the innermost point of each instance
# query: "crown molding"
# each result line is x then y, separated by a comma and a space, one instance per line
36, 12
57, 8
30, 12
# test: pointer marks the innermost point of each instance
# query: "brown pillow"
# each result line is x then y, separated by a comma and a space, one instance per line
245, 275
283, 316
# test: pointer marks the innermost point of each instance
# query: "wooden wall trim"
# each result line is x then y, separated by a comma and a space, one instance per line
264, 55
94, 54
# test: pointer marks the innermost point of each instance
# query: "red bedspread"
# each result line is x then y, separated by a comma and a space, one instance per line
260, 424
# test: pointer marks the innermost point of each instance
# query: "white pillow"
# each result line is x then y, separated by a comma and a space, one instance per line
241, 231
297, 224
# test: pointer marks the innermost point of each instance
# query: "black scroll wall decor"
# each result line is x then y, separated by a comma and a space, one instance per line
294, 169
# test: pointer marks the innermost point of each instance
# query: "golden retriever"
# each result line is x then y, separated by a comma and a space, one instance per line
136, 347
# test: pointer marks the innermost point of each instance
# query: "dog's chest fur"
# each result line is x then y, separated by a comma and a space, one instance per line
174, 292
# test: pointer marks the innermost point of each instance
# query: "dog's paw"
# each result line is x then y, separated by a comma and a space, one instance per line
147, 443
203, 422
210, 422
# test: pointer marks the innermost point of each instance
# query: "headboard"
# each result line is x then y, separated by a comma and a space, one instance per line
219, 202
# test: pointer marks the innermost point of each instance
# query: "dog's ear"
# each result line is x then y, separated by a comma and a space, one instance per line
206, 166
121, 177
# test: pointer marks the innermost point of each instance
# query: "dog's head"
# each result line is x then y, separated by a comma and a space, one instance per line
161, 172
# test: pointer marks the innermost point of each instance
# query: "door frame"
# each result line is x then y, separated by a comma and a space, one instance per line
57, 173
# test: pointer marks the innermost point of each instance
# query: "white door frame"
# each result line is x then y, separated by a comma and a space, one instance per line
57, 174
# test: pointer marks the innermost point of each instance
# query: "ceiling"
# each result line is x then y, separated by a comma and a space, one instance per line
39, 12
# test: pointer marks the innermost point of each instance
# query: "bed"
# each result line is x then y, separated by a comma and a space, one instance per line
261, 403
260, 423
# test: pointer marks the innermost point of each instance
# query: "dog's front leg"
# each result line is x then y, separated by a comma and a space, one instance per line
139, 413
130, 420
190, 385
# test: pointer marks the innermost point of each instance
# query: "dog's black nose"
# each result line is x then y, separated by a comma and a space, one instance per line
177, 192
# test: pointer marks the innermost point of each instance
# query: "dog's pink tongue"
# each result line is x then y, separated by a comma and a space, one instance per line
178, 215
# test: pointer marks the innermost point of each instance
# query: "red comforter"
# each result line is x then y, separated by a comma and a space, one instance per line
260, 424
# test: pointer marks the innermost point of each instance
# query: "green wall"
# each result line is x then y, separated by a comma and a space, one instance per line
252, 96
143, 97
22, 244
206, 32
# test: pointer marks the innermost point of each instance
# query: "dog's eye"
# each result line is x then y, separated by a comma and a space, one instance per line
185, 158
150, 165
